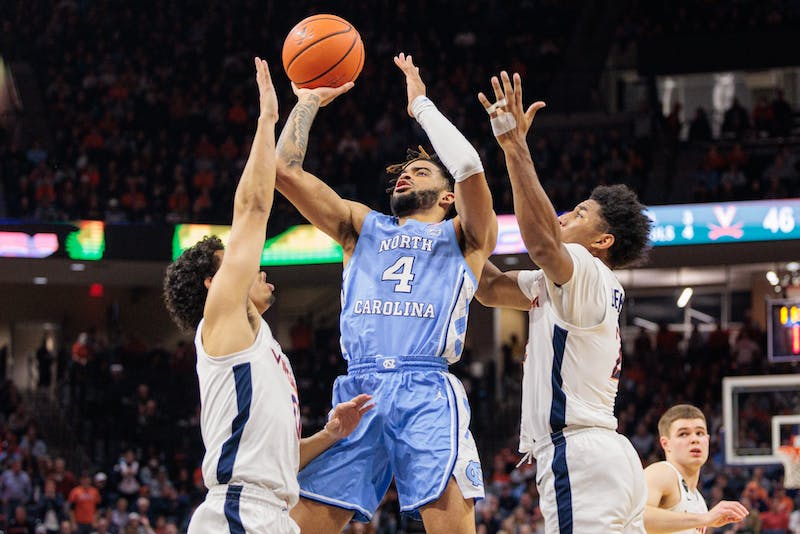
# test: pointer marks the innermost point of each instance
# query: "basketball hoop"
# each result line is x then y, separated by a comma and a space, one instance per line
790, 457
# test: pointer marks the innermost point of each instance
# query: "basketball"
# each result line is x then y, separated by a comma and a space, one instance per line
323, 51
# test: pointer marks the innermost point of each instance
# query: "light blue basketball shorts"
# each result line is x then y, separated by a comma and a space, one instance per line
417, 433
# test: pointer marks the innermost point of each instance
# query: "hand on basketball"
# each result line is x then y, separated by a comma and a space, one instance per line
726, 512
414, 84
347, 415
326, 95
509, 98
267, 99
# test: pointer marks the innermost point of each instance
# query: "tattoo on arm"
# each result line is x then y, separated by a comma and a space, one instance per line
293, 141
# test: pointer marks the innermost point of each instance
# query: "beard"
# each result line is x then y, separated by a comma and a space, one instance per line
403, 204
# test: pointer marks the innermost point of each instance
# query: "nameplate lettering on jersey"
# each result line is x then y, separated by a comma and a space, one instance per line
617, 299
406, 241
396, 308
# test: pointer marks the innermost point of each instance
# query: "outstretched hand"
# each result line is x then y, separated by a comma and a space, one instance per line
726, 512
268, 101
508, 100
347, 415
326, 95
414, 84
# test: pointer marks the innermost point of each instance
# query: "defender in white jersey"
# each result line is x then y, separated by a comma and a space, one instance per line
674, 504
589, 477
249, 414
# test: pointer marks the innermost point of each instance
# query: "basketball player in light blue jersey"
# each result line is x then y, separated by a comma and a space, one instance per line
589, 477
249, 416
407, 283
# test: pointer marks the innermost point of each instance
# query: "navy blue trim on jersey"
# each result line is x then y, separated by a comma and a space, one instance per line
561, 483
244, 396
232, 509
558, 409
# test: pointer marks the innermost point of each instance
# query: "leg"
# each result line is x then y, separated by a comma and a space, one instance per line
450, 514
317, 518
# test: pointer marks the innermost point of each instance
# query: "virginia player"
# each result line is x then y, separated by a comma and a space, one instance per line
674, 504
407, 283
589, 477
249, 416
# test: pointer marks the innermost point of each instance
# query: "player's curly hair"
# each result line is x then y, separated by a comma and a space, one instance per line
627, 222
184, 283
396, 169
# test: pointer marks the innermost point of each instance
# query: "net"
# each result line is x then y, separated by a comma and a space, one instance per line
790, 457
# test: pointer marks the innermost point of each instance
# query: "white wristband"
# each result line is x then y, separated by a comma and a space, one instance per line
503, 124
453, 149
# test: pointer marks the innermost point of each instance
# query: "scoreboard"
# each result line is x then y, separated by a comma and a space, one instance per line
783, 330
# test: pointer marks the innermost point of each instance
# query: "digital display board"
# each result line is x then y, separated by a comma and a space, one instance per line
299, 245
729, 222
783, 330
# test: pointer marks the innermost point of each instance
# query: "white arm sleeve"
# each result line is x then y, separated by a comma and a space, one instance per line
460, 157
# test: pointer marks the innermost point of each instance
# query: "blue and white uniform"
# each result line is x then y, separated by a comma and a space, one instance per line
405, 298
250, 421
589, 477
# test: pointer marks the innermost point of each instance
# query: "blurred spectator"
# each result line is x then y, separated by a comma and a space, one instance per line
84, 499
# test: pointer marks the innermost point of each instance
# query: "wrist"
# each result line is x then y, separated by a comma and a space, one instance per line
419, 104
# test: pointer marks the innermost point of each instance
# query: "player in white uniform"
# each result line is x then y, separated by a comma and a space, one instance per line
249, 404
674, 504
589, 477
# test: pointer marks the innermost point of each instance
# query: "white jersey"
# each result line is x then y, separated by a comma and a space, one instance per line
691, 502
250, 417
573, 357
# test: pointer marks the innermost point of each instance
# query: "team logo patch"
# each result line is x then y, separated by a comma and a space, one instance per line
434, 230
389, 363
474, 473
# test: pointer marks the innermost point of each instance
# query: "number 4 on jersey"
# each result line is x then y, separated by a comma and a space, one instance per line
400, 271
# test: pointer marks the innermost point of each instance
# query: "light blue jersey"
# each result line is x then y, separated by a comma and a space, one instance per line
405, 291
405, 298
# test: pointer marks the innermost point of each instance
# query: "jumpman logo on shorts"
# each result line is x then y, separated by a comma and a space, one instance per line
438, 395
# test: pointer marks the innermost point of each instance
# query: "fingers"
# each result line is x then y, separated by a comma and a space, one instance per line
485, 101
507, 89
498, 91
344, 88
365, 409
360, 400
532, 109
517, 90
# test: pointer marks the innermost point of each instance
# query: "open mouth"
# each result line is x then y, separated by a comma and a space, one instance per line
401, 185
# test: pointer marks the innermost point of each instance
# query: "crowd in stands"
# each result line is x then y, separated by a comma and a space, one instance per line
150, 111
134, 409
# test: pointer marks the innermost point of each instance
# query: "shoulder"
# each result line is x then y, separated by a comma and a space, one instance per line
660, 473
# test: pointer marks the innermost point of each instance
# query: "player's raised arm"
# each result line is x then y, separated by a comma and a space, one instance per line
662, 488
224, 309
322, 206
473, 198
499, 289
537, 218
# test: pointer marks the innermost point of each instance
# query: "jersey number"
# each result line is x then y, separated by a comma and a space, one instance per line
400, 271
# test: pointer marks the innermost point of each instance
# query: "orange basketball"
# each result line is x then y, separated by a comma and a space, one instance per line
323, 51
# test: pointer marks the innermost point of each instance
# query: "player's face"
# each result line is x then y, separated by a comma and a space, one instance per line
582, 225
262, 292
688, 442
418, 187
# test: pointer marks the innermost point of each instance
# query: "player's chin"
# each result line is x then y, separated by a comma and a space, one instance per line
266, 303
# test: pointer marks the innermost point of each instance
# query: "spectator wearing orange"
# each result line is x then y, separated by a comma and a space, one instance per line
84, 499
